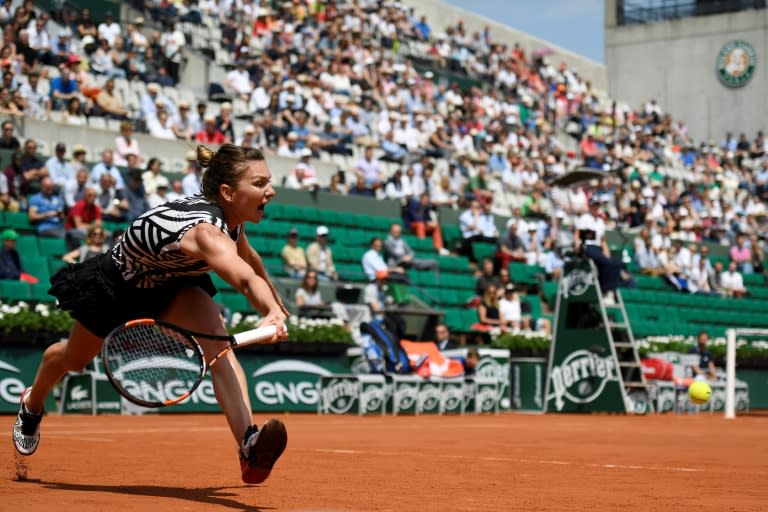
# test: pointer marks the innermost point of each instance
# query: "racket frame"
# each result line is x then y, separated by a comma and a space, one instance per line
245, 338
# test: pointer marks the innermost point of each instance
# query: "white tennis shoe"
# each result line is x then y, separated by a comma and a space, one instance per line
26, 430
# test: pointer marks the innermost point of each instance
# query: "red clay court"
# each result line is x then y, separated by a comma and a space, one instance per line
348, 463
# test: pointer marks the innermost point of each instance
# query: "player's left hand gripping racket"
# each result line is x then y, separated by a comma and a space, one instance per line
154, 363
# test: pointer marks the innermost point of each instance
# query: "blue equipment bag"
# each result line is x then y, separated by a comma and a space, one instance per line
382, 350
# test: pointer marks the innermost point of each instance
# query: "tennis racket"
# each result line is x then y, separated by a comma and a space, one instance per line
155, 364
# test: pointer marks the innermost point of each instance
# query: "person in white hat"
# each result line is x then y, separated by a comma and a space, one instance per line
160, 195
320, 256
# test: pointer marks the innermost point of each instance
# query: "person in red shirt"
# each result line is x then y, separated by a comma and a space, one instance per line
81, 217
209, 134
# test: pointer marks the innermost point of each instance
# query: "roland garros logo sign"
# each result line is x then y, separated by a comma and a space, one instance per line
581, 377
736, 63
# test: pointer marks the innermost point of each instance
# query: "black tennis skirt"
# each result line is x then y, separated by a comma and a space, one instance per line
95, 294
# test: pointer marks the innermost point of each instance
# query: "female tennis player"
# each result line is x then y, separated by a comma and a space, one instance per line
159, 269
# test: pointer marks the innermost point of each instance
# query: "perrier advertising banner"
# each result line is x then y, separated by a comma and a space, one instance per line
583, 375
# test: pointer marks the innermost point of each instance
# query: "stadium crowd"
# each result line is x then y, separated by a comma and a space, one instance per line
429, 116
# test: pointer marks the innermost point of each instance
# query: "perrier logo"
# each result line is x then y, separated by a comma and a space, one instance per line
736, 63
581, 377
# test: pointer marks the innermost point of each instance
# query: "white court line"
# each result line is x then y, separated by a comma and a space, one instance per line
524, 461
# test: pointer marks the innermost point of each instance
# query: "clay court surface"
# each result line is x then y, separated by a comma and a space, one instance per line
505, 462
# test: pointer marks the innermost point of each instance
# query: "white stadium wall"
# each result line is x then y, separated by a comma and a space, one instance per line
440, 15
676, 62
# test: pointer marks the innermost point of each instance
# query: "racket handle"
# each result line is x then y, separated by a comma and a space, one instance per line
255, 335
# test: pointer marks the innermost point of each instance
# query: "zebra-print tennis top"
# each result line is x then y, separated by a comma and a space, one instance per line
148, 253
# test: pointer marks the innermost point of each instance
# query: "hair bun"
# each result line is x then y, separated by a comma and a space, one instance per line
205, 156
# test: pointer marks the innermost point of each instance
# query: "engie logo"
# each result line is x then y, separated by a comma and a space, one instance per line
162, 390
288, 382
11, 388
581, 377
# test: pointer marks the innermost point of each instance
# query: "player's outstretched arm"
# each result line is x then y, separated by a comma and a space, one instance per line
206, 242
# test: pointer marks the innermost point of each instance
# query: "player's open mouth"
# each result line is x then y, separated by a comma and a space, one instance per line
261, 207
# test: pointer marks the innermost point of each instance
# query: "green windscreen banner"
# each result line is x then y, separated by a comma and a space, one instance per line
18, 367
583, 374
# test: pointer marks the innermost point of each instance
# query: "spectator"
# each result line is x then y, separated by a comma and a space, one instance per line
109, 103
293, 256
209, 134
477, 225
192, 183
308, 293
59, 168
510, 310
93, 245
160, 196
7, 202
375, 295
443, 338
488, 309
471, 361
741, 255
135, 194
38, 105
113, 205
320, 256
107, 166
510, 247
126, 144
487, 277
151, 99
733, 282
240, 80
109, 29
46, 211
85, 214
372, 262
184, 123
224, 122
400, 254
151, 176
706, 367
64, 88
161, 127
14, 178
8, 140
10, 260
421, 219
369, 170
32, 168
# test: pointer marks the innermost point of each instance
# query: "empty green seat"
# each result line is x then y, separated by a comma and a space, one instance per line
13, 291
52, 246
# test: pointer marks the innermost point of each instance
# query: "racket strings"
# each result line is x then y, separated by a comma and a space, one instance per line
153, 363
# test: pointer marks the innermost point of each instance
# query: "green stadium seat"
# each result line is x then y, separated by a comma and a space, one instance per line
20, 222
39, 292
237, 303
38, 267
27, 246
52, 246
13, 291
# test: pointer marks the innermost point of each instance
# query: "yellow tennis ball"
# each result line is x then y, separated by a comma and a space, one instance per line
699, 392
